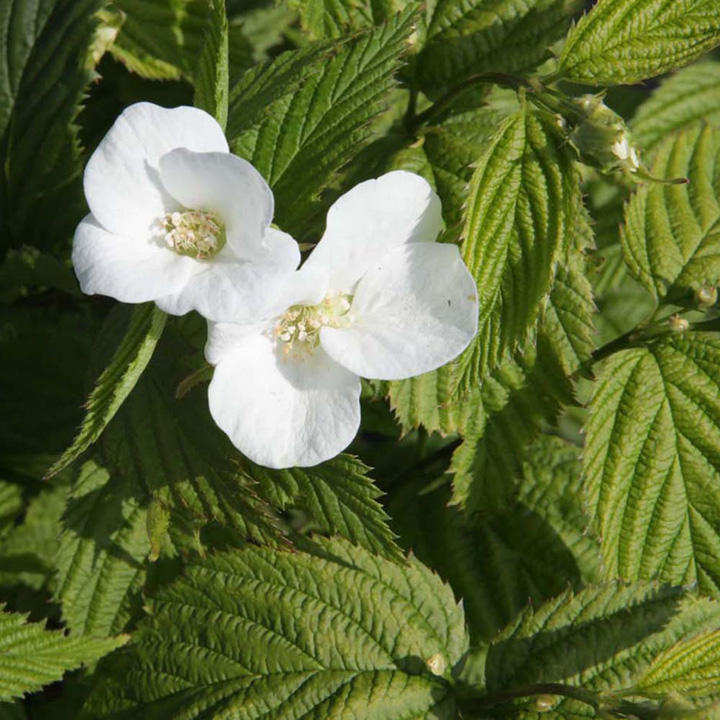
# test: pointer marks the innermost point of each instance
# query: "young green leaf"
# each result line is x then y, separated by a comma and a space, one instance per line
521, 211
213, 75
601, 639
101, 553
689, 95
625, 41
31, 656
671, 239
497, 561
46, 63
652, 461
480, 36
338, 496
117, 380
282, 634
321, 120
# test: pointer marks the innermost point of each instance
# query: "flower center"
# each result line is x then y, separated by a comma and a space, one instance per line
298, 330
195, 233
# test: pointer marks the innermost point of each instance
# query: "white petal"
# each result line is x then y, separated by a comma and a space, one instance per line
413, 311
375, 216
122, 184
124, 268
281, 412
224, 184
237, 291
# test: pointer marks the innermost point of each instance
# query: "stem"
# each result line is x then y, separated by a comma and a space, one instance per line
410, 116
473, 705
445, 101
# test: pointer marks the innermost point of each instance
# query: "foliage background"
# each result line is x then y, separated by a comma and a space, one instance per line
561, 479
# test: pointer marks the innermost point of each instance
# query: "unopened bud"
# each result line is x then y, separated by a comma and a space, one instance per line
706, 296
543, 703
436, 664
678, 324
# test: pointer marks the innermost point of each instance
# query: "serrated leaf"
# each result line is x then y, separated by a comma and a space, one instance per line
512, 405
334, 18
480, 36
521, 213
45, 66
319, 123
293, 635
213, 75
338, 496
117, 380
31, 656
496, 562
566, 325
602, 639
689, 95
101, 553
671, 238
652, 461
625, 41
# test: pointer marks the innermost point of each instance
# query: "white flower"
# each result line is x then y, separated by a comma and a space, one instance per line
387, 303
177, 219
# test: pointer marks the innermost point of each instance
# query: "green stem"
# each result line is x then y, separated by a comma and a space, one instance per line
474, 705
446, 100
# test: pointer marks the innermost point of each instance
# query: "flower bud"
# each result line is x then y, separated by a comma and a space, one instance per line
678, 324
544, 703
706, 296
602, 138
436, 664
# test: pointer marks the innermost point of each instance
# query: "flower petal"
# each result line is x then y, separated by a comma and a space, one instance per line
413, 312
375, 216
224, 184
124, 268
121, 180
237, 291
281, 412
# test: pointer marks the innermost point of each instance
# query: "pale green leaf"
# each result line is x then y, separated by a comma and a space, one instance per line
213, 74
521, 212
671, 238
291, 635
496, 562
602, 638
652, 461
689, 95
625, 41
31, 656
321, 120
117, 380
45, 66
101, 553
338, 497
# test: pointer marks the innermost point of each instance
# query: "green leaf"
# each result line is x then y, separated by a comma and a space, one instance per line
602, 638
213, 75
652, 461
480, 36
293, 635
521, 211
45, 66
321, 120
511, 407
625, 41
334, 18
117, 380
496, 562
689, 95
338, 496
566, 325
31, 656
671, 239
161, 39
101, 553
